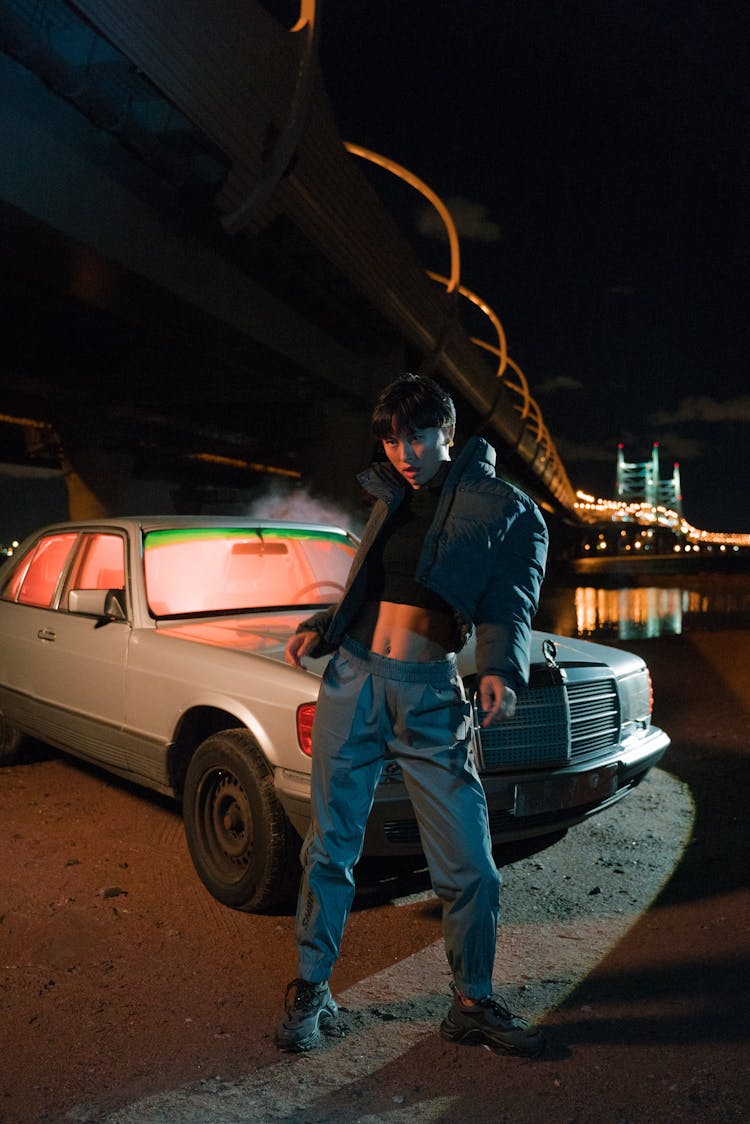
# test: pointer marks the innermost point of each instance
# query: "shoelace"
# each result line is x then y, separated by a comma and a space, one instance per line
496, 1006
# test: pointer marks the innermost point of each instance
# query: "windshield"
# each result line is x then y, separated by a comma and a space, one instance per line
198, 570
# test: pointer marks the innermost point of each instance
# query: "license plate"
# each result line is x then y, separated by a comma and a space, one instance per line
566, 792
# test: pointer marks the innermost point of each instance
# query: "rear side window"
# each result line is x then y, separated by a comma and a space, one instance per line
100, 563
38, 575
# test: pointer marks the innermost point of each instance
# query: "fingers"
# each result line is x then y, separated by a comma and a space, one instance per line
497, 699
493, 715
298, 646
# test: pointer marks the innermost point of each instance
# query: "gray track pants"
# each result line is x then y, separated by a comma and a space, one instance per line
371, 710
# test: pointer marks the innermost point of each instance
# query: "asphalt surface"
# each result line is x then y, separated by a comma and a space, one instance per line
130, 996
565, 910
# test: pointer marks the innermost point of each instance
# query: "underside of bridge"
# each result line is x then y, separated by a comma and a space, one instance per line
200, 286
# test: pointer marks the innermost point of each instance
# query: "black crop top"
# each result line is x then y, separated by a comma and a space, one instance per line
393, 557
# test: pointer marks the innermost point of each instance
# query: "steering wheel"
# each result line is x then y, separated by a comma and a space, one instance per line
302, 593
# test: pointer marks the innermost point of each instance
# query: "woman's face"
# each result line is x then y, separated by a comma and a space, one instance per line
418, 453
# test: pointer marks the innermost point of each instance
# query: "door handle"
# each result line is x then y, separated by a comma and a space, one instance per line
47, 634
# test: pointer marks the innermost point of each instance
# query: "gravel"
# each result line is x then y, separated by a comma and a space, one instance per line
564, 907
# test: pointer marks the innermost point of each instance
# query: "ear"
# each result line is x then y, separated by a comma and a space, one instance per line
450, 433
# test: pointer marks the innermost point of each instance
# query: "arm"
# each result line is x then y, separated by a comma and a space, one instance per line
298, 646
496, 699
505, 611
309, 638
316, 628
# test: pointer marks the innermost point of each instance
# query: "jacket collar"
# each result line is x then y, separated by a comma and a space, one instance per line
475, 461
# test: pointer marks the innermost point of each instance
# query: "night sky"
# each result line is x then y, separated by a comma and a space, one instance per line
595, 157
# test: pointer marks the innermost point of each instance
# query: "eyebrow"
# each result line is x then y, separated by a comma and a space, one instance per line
412, 431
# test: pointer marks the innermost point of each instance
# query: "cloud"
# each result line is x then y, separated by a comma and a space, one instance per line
704, 409
472, 221
579, 451
674, 447
558, 382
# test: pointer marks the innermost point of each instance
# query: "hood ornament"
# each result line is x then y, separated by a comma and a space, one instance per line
556, 675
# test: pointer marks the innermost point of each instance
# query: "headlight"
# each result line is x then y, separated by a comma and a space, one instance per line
636, 697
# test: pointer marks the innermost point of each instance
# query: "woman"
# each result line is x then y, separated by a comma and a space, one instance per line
448, 547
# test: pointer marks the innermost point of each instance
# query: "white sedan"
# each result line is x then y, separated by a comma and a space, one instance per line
154, 647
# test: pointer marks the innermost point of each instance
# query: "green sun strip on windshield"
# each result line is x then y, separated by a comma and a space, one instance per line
174, 535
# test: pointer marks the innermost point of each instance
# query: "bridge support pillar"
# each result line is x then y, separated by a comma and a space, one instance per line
96, 482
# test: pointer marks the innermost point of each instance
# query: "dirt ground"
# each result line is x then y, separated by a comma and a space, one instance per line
122, 979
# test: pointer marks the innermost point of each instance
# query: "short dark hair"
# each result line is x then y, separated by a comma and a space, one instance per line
411, 402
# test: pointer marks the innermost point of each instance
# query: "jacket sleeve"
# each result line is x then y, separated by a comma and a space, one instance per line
330, 624
319, 623
506, 609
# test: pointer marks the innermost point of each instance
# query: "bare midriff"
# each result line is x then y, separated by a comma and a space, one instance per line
405, 632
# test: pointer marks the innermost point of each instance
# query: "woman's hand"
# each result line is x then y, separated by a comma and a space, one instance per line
298, 646
497, 699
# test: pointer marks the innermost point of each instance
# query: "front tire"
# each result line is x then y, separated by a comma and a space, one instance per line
242, 845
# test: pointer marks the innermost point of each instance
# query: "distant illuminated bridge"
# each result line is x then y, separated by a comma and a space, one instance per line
654, 504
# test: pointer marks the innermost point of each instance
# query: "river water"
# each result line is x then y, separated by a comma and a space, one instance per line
678, 604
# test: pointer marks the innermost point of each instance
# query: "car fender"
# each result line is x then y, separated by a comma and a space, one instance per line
244, 717
169, 679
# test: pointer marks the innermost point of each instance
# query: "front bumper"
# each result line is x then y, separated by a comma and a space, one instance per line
528, 804
521, 804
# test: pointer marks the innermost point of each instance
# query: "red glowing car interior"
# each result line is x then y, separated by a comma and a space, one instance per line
213, 570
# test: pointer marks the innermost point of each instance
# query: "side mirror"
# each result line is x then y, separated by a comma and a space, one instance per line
103, 603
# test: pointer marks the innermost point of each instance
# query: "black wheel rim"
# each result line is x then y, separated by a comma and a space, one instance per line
226, 824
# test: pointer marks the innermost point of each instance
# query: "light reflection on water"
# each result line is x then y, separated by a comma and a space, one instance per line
644, 611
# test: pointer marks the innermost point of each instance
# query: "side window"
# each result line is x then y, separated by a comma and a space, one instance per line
100, 563
35, 583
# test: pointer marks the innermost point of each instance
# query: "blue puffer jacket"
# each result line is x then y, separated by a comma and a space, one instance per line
484, 555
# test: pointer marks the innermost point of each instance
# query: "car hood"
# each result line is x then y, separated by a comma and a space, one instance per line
266, 634
262, 633
574, 652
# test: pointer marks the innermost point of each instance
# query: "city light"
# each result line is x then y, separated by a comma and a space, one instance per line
593, 510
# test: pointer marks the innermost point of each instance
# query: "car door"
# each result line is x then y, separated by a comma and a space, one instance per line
25, 612
69, 675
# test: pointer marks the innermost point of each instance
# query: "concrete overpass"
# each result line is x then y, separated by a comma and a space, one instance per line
199, 280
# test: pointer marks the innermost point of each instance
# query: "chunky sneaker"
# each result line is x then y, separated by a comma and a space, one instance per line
488, 1022
311, 1010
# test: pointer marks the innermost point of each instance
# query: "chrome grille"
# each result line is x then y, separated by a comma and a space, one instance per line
554, 725
538, 733
594, 717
